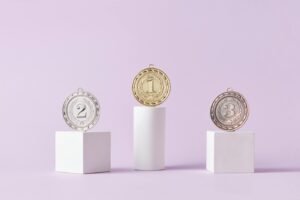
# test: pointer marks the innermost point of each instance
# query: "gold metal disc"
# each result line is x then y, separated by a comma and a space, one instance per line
151, 86
229, 111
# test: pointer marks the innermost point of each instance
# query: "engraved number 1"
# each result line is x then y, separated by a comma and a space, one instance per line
150, 85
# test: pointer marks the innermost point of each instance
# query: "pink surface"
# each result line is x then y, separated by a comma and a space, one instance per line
50, 48
177, 184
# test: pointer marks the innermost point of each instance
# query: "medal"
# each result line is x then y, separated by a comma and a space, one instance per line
81, 110
229, 111
151, 86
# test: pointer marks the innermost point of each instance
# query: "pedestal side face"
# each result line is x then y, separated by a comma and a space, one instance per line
97, 152
149, 138
210, 151
69, 151
231, 152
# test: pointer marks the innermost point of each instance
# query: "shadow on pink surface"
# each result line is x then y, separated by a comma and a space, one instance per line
202, 167
187, 167
122, 170
276, 170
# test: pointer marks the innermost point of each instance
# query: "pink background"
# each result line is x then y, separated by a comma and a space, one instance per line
50, 48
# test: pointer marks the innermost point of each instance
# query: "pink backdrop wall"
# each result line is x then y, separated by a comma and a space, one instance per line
50, 48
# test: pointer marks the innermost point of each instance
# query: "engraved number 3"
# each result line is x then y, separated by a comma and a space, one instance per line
230, 110
82, 111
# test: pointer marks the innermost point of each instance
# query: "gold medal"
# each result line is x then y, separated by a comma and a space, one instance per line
151, 87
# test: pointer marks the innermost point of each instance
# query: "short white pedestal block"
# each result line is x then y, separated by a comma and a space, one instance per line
230, 152
149, 138
78, 152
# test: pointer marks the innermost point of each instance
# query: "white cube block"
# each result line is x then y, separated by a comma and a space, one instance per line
230, 152
79, 152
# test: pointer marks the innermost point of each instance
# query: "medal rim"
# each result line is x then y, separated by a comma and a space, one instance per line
241, 99
89, 96
155, 70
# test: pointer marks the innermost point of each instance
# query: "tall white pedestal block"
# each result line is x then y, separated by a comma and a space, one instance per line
230, 152
78, 152
149, 138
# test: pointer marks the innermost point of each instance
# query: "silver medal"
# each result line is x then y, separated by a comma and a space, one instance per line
81, 110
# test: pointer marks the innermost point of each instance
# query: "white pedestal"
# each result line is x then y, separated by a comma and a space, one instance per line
230, 152
149, 138
78, 152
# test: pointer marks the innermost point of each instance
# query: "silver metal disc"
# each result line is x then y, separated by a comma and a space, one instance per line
229, 111
81, 110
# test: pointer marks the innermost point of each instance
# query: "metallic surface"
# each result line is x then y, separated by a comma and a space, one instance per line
229, 111
151, 86
81, 110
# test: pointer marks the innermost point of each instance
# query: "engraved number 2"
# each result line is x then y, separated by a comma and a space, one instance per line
82, 111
